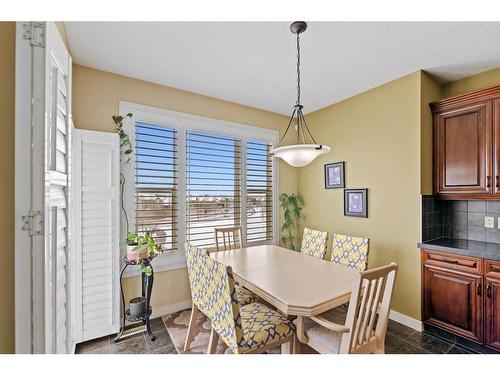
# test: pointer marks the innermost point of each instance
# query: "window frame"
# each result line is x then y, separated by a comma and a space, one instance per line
184, 122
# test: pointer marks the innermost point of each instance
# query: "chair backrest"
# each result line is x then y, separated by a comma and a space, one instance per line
213, 292
228, 238
350, 251
368, 311
314, 243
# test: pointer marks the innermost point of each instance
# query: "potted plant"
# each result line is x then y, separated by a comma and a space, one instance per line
134, 251
142, 249
292, 208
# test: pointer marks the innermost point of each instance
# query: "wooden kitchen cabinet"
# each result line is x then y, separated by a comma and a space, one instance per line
467, 145
492, 305
452, 294
461, 295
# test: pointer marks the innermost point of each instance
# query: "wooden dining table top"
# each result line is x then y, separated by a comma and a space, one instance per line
294, 283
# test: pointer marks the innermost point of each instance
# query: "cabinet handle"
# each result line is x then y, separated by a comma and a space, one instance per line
452, 261
497, 183
478, 289
488, 181
488, 291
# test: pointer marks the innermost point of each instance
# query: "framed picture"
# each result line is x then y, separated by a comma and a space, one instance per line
334, 175
356, 202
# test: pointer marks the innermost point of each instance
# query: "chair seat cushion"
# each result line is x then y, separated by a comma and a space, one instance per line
326, 338
245, 296
262, 326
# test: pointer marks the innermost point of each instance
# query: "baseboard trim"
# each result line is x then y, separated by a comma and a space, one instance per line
406, 320
171, 308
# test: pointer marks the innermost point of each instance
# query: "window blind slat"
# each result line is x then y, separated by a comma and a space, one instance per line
259, 198
212, 201
156, 183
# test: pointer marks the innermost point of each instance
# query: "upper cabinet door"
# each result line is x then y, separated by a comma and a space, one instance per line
463, 149
496, 146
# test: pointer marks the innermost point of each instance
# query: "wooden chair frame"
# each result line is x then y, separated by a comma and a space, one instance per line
358, 333
227, 234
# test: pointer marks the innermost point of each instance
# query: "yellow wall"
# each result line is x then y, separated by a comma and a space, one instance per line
96, 95
430, 91
475, 82
377, 134
7, 85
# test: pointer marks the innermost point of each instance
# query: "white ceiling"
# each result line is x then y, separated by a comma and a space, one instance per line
253, 63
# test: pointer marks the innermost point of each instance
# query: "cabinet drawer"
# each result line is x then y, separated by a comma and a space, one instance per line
452, 261
492, 269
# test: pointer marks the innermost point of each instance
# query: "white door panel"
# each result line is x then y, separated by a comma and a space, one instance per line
96, 171
43, 153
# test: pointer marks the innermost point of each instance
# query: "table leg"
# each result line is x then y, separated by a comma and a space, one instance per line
300, 337
287, 347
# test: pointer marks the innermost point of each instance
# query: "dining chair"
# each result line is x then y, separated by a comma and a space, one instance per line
231, 238
350, 251
314, 243
366, 322
252, 328
196, 267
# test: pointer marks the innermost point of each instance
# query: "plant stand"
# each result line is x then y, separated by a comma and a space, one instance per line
147, 287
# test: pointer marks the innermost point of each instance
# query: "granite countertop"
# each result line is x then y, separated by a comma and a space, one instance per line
477, 249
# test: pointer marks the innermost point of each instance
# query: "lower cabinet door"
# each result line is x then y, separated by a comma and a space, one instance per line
492, 326
453, 301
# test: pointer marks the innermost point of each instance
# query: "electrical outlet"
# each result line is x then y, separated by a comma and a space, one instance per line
489, 222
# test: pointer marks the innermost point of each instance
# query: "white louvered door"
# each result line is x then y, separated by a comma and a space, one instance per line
57, 192
96, 285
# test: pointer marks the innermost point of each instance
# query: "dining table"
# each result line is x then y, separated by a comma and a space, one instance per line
294, 283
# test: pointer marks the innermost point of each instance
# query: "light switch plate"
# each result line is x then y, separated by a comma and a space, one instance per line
489, 222
499, 222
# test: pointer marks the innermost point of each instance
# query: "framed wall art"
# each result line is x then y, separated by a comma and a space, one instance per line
334, 175
356, 202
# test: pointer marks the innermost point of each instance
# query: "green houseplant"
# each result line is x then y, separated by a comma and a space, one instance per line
142, 248
292, 208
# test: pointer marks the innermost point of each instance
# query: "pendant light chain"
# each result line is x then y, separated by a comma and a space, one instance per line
301, 124
298, 69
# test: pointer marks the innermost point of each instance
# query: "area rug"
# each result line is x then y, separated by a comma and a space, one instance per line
177, 327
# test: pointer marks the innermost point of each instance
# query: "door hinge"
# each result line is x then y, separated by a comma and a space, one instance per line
35, 33
32, 223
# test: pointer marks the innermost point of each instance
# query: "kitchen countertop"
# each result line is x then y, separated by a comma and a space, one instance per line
477, 249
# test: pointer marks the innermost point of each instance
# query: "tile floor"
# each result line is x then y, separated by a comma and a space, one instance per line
137, 344
400, 340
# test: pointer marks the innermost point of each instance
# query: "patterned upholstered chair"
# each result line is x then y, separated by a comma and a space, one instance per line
230, 239
195, 266
253, 328
350, 251
314, 243
366, 322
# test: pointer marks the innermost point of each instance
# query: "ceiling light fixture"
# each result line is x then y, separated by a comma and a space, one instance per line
302, 153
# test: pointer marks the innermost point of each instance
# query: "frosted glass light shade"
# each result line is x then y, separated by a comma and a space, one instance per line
300, 155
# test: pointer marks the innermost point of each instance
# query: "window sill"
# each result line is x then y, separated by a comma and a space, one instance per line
135, 271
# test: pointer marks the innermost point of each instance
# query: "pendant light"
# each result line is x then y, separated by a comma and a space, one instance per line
302, 153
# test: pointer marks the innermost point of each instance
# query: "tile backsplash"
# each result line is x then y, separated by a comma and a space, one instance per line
459, 219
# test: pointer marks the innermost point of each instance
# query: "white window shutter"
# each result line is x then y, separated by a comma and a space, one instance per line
97, 252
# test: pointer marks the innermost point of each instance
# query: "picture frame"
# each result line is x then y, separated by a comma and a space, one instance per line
334, 175
356, 202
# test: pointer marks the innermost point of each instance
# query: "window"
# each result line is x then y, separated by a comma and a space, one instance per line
213, 185
191, 175
156, 183
259, 185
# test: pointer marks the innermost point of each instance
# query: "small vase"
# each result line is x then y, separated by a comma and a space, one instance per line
134, 255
